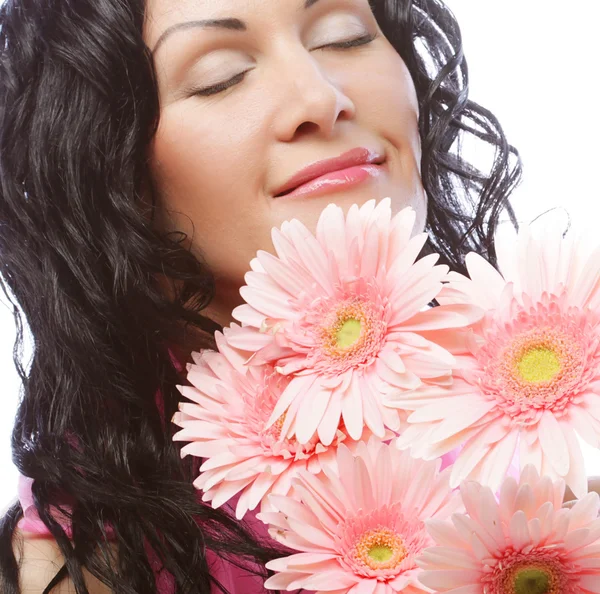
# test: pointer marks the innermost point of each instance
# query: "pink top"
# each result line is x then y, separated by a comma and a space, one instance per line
234, 579
231, 577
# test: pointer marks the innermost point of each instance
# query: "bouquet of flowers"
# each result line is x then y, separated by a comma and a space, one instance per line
397, 447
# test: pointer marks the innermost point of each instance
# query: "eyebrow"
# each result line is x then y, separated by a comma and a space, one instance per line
230, 24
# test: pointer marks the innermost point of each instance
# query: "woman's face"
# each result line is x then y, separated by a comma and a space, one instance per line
219, 160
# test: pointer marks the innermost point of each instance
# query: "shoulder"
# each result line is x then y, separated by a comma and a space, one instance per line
39, 560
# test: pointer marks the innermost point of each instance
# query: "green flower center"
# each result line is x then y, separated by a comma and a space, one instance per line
539, 365
381, 554
348, 333
532, 581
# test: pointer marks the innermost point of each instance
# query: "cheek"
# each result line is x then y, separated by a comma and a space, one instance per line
387, 103
191, 157
391, 102
220, 212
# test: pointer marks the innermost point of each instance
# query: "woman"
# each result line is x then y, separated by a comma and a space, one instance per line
145, 154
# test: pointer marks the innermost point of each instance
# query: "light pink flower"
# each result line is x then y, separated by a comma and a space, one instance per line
524, 543
224, 422
359, 528
341, 315
528, 374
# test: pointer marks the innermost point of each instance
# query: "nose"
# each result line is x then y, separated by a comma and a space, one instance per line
312, 102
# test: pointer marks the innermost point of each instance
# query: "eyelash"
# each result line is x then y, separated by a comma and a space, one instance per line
220, 87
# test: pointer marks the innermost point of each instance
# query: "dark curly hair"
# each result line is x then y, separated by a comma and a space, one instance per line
87, 272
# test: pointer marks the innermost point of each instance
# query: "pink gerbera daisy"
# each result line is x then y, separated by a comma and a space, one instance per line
225, 421
528, 374
340, 314
361, 527
524, 543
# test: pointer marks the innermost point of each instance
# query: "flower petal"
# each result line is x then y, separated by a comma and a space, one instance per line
553, 443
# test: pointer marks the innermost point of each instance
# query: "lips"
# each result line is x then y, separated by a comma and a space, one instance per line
357, 156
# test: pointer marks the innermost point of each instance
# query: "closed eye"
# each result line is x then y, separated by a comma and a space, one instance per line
220, 87
357, 41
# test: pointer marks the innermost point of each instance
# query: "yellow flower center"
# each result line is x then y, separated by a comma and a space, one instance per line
538, 367
381, 548
381, 554
348, 333
346, 330
539, 364
532, 581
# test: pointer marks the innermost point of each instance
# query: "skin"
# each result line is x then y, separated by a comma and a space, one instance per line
40, 559
217, 161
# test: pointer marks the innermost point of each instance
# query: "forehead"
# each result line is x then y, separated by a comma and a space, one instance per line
161, 14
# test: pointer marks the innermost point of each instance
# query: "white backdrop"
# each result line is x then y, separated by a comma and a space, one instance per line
533, 64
